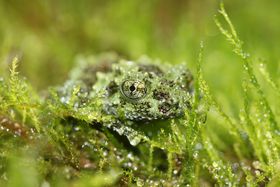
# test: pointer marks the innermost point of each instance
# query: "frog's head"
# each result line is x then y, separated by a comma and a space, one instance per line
144, 91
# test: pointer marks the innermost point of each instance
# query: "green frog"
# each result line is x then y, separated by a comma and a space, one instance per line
129, 95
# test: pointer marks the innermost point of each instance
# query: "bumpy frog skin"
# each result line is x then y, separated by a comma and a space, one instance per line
134, 91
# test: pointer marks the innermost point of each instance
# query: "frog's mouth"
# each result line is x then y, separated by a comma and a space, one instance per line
165, 111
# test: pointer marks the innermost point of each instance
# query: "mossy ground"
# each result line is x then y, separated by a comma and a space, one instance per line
238, 144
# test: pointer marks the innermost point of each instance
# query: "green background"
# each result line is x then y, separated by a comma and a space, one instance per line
48, 36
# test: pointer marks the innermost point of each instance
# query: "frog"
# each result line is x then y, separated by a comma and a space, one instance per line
132, 94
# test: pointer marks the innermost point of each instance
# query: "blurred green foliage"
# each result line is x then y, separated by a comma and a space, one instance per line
47, 37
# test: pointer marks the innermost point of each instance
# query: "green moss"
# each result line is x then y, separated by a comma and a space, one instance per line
45, 141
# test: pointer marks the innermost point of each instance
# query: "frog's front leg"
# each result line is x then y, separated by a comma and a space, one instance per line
124, 128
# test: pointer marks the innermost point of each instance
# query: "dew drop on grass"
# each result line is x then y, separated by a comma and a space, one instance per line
256, 164
257, 172
216, 176
139, 182
215, 165
129, 164
198, 146
268, 135
105, 153
63, 100
130, 156
77, 128
76, 106
195, 155
45, 184
86, 144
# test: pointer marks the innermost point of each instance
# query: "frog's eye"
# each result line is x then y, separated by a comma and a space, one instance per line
133, 89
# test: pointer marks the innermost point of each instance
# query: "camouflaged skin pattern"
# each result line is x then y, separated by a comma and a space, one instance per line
133, 91
141, 90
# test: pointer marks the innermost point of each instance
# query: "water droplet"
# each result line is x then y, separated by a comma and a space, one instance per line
45, 184
63, 100
106, 143
198, 146
215, 165
76, 106
77, 128
268, 135
139, 182
195, 155
130, 156
86, 144
256, 164
105, 153
257, 172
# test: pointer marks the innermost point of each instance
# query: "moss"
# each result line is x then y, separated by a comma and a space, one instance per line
45, 141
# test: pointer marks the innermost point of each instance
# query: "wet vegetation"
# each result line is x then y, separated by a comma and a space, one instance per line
47, 141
